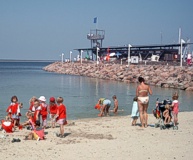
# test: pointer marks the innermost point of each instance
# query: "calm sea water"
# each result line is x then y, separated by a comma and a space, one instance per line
27, 79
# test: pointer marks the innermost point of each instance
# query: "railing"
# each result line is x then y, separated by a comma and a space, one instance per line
95, 37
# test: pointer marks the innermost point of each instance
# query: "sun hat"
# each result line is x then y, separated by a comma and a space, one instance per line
52, 99
42, 98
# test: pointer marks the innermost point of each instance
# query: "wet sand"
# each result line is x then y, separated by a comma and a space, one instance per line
105, 138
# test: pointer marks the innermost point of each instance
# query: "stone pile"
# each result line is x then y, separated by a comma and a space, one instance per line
157, 75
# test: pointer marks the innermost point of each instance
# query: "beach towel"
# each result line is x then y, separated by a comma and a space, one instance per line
135, 111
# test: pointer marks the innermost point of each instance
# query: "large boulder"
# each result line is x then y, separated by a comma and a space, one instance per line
189, 89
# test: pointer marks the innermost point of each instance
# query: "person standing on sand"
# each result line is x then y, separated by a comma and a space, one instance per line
43, 111
14, 110
52, 110
31, 103
61, 115
142, 92
134, 112
175, 108
37, 109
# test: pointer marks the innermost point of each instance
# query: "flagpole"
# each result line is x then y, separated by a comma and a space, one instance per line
181, 53
97, 23
179, 39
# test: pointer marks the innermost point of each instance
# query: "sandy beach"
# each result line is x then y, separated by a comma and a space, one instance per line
105, 138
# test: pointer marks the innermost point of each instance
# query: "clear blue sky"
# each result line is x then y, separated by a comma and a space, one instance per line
43, 29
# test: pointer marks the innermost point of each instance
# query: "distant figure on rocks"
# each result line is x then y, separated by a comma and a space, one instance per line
189, 58
142, 92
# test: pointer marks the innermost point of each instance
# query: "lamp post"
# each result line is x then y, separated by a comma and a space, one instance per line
181, 42
97, 55
62, 58
129, 48
70, 56
81, 56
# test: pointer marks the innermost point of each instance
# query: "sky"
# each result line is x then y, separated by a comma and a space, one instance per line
44, 29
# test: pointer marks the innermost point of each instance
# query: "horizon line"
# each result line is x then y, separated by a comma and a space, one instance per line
25, 60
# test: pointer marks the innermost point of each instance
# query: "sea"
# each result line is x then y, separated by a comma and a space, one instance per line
27, 79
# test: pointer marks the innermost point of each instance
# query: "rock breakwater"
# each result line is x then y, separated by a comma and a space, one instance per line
157, 75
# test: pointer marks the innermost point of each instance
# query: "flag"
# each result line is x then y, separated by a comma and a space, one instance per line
95, 20
183, 41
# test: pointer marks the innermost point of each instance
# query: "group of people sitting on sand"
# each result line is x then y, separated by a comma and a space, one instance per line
36, 116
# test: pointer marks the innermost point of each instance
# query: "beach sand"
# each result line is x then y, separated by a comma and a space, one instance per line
105, 138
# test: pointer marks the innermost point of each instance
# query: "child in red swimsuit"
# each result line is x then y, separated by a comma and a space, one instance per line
43, 111
7, 125
31, 103
37, 109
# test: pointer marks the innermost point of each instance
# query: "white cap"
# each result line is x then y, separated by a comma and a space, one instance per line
42, 98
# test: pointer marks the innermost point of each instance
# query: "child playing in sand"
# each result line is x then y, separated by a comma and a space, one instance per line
37, 133
43, 111
52, 111
115, 104
7, 125
175, 108
61, 115
30, 121
166, 114
135, 112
